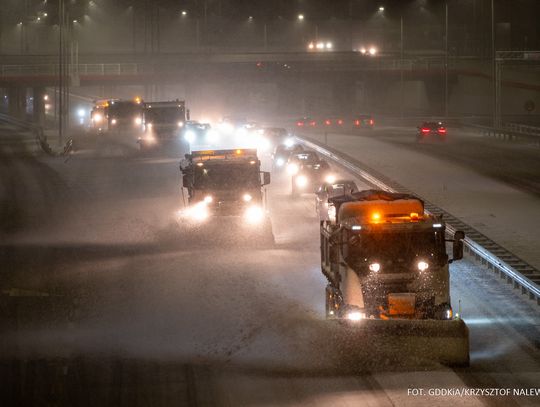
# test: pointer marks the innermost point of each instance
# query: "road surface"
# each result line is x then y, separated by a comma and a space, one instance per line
108, 301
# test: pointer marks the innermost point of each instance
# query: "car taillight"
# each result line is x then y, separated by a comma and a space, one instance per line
357, 122
442, 130
371, 122
340, 122
313, 123
424, 130
327, 122
299, 123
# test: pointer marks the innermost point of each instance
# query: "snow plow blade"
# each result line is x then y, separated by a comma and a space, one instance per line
376, 344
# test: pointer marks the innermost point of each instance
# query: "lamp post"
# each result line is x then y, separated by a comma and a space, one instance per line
446, 61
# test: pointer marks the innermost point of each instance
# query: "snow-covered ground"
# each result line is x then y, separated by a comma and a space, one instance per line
248, 319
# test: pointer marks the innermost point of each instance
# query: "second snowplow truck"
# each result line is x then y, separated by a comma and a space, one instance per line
226, 187
388, 275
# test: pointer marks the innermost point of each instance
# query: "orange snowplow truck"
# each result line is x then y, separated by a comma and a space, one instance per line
385, 260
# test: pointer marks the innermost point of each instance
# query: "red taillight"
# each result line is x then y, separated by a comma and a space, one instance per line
371, 122
327, 122
357, 122
340, 122
299, 123
442, 130
425, 131
313, 123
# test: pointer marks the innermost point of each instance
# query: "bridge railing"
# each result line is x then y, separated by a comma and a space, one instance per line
81, 69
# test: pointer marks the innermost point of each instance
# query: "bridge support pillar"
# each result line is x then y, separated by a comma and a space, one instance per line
39, 105
17, 101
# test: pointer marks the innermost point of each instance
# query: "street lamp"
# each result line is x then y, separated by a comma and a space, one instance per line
184, 13
300, 17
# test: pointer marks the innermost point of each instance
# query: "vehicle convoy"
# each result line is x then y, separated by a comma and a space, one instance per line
431, 130
227, 183
386, 265
308, 171
162, 122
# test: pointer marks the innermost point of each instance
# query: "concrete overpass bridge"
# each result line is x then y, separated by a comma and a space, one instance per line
416, 79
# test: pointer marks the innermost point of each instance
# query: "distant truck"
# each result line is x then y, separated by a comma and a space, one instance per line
385, 259
117, 115
227, 183
162, 122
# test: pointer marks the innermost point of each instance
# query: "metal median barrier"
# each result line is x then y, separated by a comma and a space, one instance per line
507, 265
39, 135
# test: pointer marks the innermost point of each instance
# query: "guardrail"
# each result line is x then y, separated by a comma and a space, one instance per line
516, 271
512, 133
523, 129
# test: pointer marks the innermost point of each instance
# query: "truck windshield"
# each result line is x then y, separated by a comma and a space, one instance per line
400, 247
124, 109
227, 176
164, 115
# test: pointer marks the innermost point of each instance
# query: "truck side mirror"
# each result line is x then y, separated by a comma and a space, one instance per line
266, 178
457, 247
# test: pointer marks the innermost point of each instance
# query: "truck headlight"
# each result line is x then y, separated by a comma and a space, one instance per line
375, 267
280, 161
330, 179
247, 197
292, 169
355, 315
208, 199
301, 181
138, 121
254, 214
198, 212
97, 118
190, 136
180, 124
113, 122
422, 265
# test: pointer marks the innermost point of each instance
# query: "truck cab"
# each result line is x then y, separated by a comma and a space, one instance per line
225, 183
162, 122
385, 258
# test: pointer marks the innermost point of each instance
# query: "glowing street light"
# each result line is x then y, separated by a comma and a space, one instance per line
372, 50
184, 13
381, 9
300, 17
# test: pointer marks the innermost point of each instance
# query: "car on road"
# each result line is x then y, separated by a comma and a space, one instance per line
306, 122
363, 121
282, 152
431, 130
308, 171
329, 190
